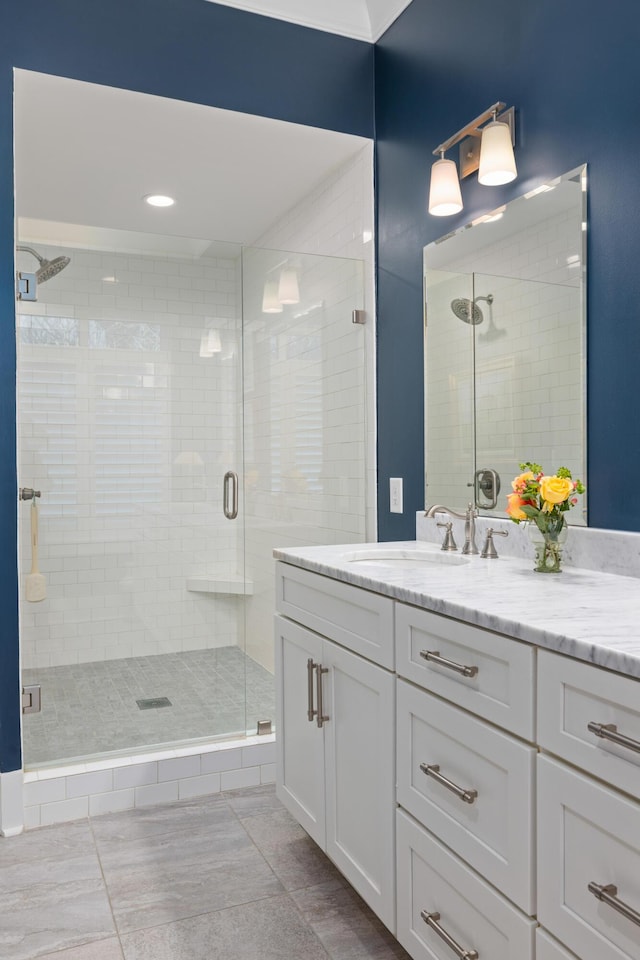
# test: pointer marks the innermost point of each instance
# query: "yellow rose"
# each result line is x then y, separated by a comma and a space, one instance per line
514, 502
520, 482
555, 489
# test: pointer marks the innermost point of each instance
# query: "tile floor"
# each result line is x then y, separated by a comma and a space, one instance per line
90, 708
227, 877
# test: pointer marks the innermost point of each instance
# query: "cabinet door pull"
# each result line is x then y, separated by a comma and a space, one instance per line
320, 711
310, 668
434, 657
431, 919
609, 895
609, 731
433, 770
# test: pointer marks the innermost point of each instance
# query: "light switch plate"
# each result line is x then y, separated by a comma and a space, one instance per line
395, 494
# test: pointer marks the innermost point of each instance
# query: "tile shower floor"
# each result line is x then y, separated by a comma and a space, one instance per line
90, 708
226, 877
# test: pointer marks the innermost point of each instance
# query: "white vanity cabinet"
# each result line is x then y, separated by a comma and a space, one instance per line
589, 829
466, 852
336, 727
515, 769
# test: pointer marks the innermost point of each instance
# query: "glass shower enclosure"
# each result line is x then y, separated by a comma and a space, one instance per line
184, 406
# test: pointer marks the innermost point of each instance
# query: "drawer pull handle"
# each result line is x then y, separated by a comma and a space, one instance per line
609, 895
320, 711
433, 770
431, 919
609, 731
434, 657
310, 668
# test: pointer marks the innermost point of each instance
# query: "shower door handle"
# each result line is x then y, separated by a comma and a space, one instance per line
230, 503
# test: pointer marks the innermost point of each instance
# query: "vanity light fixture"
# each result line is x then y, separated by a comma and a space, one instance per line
270, 302
280, 287
159, 200
488, 149
288, 290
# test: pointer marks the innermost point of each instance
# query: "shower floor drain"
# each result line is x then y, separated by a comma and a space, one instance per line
153, 703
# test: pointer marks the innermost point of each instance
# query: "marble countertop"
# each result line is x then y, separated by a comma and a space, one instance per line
582, 613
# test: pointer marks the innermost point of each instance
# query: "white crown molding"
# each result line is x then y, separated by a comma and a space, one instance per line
359, 19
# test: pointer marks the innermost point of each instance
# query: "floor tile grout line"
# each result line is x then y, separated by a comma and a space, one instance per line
288, 893
106, 886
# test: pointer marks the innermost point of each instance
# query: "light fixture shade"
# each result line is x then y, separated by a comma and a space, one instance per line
270, 301
497, 162
445, 198
288, 291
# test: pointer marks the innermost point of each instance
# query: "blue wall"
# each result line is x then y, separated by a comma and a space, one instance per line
184, 49
573, 73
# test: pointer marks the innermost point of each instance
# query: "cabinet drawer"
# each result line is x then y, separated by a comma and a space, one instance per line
357, 619
432, 880
587, 834
493, 832
502, 688
571, 695
549, 949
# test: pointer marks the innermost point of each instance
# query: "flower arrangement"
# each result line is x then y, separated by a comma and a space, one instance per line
542, 498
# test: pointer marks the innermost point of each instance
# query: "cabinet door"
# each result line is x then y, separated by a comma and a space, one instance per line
300, 743
359, 772
435, 885
588, 864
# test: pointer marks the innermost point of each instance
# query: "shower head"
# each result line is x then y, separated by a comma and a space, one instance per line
47, 268
468, 310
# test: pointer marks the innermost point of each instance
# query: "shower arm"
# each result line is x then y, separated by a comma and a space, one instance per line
30, 250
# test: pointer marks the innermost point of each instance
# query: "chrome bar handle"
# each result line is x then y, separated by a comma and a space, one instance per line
230, 480
310, 668
434, 657
321, 718
433, 770
431, 919
609, 731
609, 895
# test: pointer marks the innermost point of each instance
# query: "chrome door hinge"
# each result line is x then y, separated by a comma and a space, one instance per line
31, 699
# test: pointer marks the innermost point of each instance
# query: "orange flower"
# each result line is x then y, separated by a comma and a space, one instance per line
514, 504
519, 483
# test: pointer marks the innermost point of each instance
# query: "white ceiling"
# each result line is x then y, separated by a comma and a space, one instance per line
88, 154
360, 19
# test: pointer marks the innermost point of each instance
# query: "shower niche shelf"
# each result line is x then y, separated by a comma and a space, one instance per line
235, 585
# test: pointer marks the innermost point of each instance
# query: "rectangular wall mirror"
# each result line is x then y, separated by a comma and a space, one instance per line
505, 347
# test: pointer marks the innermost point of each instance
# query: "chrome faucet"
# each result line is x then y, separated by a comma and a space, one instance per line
469, 518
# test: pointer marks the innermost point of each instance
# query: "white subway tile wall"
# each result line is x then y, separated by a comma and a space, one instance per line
127, 431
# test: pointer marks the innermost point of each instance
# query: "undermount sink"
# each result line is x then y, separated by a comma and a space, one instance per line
408, 559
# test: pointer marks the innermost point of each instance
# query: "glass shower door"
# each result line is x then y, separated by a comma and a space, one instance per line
304, 431
129, 417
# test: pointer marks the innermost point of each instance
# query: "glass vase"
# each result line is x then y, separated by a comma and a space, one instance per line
548, 545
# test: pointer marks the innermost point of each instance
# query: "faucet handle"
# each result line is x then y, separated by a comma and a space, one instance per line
448, 543
489, 550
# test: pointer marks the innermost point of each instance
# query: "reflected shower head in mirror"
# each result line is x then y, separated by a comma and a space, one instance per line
492, 332
468, 310
47, 268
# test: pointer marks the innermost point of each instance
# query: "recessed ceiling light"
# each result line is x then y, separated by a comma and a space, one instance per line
159, 200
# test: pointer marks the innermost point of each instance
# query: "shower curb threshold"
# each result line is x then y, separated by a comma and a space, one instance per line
89, 788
